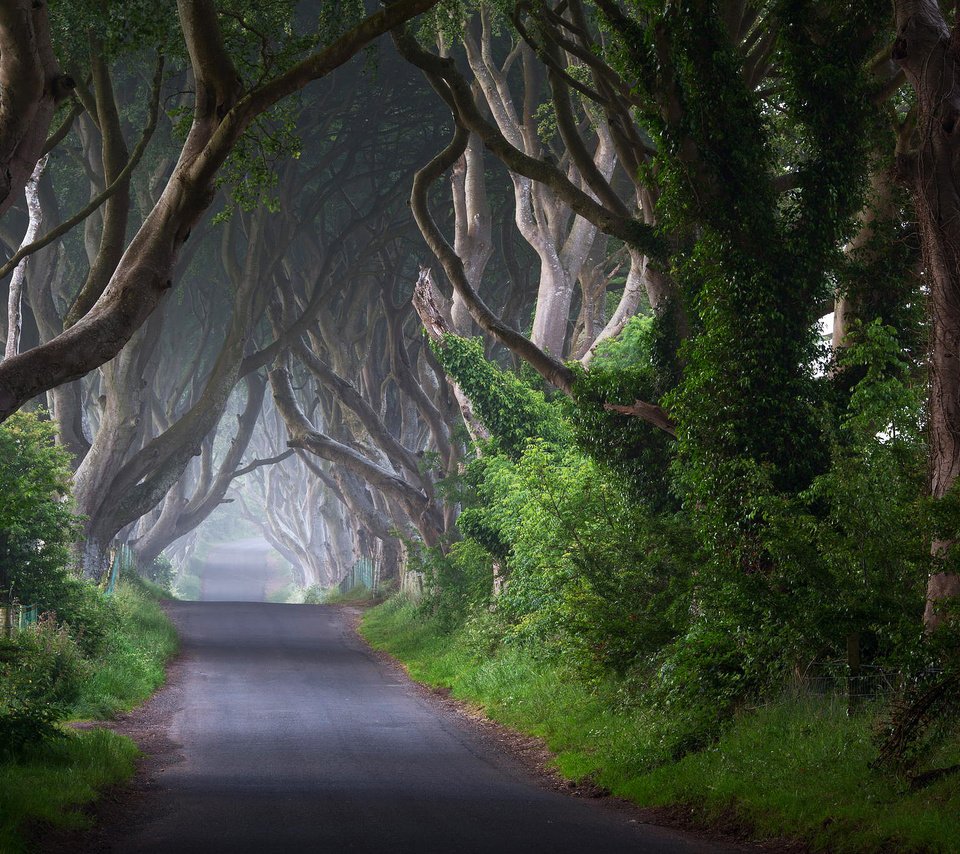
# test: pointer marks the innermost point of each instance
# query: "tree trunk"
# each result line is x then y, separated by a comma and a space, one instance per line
32, 86
15, 295
930, 59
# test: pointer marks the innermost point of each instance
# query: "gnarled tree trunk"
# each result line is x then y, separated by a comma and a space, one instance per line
930, 58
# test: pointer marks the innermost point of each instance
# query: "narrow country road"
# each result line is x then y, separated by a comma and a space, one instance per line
289, 735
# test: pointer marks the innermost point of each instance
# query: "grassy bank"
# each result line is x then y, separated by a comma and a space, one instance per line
796, 768
50, 781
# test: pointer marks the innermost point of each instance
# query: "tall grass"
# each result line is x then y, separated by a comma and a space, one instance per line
50, 781
796, 768
141, 641
47, 783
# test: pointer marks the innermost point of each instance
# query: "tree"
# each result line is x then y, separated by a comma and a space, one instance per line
37, 526
224, 110
33, 87
929, 54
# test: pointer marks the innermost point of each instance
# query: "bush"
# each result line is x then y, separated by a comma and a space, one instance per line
158, 574
42, 672
131, 665
37, 526
455, 583
314, 595
90, 616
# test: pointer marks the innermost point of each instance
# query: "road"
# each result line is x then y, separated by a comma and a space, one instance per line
290, 735
237, 572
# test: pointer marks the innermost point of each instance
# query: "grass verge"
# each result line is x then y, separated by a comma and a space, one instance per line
49, 782
358, 596
142, 640
797, 768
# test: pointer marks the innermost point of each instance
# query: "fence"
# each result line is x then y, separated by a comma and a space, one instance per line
364, 573
121, 560
835, 679
15, 617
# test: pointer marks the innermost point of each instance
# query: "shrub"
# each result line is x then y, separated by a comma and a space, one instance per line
41, 675
314, 595
90, 616
455, 583
159, 572
37, 526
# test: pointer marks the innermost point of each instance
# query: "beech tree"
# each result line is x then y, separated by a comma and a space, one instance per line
33, 87
225, 107
927, 51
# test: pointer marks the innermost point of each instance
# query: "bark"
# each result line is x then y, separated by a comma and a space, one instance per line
123, 394
31, 86
549, 367
15, 294
929, 57
116, 209
473, 238
434, 315
444, 75
562, 42
542, 216
642, 280
879, 209
212, 489
411, 386
45, 288
399, 456
142, 481
303, 435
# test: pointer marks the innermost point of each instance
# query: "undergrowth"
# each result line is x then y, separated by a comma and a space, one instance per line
141, 640
359, 595
797, 767
49, 782
46, 782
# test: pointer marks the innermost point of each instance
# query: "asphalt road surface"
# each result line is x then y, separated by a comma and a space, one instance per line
236, 572
291, 736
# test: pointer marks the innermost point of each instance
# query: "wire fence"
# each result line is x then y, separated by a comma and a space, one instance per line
15, 617
835, 679
121, 561
364, 573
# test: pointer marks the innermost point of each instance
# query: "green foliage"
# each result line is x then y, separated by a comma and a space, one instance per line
50, 783
41, 676
36, 523
46, 770
313, 595
624, 370
845, 558
250, 172
132, 663
794, 768
160, 573
38, 529
870, 527
52, 670
601, 574
512, 410
122, 28
456, 583
590, 572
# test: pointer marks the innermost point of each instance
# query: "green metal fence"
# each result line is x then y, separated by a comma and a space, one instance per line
364, 573
121, 560
15, 617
